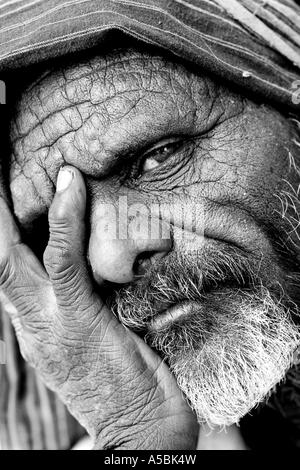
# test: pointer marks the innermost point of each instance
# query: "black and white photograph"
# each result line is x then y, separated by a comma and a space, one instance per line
150, 227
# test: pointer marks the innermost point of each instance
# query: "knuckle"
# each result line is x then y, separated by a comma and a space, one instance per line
57, 256
61, 228
63, 272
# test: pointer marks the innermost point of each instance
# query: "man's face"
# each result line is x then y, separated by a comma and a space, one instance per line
203, 184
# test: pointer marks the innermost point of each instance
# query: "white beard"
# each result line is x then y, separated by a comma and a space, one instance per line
235, 344
240, 362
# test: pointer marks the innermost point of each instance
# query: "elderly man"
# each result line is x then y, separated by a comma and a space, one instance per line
149, 243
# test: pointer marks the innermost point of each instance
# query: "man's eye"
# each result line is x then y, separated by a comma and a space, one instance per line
159, 154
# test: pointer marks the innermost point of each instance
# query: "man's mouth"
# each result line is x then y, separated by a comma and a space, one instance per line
180, 311
180, 292
172, 314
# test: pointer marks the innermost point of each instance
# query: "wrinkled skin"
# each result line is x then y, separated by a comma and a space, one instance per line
101, 117
116, 387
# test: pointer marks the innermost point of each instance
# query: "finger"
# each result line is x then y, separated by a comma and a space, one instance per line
64, 257
22, 276
9, 233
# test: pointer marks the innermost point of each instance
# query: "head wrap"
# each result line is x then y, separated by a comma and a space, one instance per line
252, 43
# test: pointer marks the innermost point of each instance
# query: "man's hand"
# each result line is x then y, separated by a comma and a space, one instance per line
111, 381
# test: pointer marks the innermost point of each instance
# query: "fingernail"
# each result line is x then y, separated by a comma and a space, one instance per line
64, 179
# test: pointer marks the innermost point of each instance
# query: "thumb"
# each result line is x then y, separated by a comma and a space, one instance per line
64, 257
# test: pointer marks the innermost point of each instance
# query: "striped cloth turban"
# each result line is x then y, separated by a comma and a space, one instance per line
253, 44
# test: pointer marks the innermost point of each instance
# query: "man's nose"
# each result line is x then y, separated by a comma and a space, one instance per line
123, 247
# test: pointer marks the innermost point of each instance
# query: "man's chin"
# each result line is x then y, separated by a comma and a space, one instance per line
228, 356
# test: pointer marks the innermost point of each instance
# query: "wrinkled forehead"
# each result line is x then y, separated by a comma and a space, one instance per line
93, 75
108, 95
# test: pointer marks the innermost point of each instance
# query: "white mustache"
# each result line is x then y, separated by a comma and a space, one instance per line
180, 278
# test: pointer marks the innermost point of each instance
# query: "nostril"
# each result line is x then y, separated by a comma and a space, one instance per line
145, 260
142, 262
109, 290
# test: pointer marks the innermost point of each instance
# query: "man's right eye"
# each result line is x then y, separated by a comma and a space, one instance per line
157, 155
